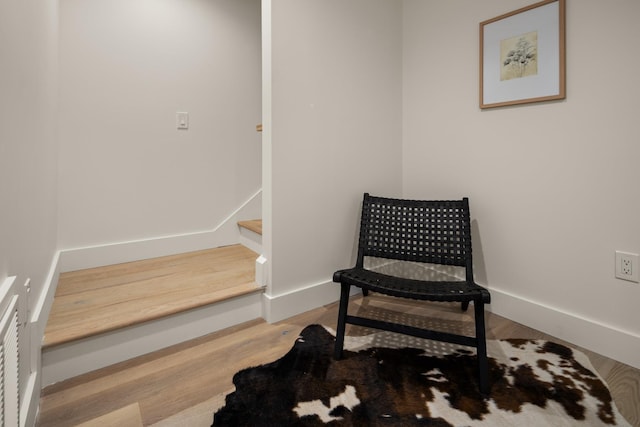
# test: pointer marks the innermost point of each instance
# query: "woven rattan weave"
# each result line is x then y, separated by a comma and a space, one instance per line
416, 231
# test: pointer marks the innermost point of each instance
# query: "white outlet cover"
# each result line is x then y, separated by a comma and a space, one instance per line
623, 258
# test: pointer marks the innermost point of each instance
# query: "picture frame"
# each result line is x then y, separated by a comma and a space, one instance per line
522, 56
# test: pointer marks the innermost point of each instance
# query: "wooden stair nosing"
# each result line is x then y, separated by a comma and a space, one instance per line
178, 283
55, 338
254, 225
66, 361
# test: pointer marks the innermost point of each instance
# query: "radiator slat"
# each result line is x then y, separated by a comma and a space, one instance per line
9, 364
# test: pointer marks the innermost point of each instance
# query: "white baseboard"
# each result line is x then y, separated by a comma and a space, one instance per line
226, 233
120, 252
283, 306
31, 402
38, 323
289, 304
44, 302
68, 360
604, 339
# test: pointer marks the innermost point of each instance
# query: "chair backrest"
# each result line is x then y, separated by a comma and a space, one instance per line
431, 231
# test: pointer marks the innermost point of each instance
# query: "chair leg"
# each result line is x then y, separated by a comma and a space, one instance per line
464, 306
481, 337
342, 320
365, 292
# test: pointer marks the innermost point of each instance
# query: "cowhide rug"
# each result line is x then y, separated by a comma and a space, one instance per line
533, 383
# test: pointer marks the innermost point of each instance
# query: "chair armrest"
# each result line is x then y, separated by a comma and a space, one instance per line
337, 276
486, 295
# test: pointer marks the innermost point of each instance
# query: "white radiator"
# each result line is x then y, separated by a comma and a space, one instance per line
9, 355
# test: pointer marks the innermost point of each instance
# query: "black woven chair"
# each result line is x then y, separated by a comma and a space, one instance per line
434, 232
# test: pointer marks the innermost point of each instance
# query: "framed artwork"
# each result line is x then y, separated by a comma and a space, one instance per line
522, 55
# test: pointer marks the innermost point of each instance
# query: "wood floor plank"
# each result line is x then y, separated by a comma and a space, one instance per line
178, 381
113, 275
151, 289
623, 381
84, 301
71, 327
198, 415
129, 416
99, 381
146, 379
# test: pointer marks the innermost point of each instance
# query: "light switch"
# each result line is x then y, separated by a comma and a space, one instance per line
182, 120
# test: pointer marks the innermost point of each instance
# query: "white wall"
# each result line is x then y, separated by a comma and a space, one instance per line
126, 68
28, 155
27, 140
553, 186
335, 133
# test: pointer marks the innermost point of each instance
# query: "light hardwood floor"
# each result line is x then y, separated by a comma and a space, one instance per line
183, 385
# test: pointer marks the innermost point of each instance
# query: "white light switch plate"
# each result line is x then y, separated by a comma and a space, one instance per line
182, 120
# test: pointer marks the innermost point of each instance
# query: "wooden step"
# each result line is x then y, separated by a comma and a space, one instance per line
98, 300
105, 315
254, 225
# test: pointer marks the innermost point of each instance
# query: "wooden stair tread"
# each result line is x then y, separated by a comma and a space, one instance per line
254, 225
98, 300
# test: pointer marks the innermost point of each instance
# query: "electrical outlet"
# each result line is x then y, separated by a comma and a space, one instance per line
627, 266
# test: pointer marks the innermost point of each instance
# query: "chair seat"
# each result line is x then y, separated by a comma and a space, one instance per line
459, 291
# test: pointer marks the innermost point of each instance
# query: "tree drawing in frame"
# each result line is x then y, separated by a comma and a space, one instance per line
519, 56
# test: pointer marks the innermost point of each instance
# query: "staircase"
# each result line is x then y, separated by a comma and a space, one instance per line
251, 234
106, 315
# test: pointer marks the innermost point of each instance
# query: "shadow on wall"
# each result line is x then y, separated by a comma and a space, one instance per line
479, 267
